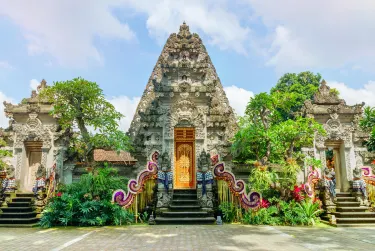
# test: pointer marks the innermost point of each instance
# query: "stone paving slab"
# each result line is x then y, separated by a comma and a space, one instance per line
188, 237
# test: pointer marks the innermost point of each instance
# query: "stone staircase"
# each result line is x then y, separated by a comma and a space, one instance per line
19, 212
350, 214
184, 209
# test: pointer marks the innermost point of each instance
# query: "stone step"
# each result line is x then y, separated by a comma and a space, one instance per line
346, 199
354, 214
185, 202
356, 225
18, 220
184, 196
19, 225
18, 215
185, 191
18, 204
344, 194
184, 214
16, 209
179, 220
355, 220
351, 209
25, 195
21, 199
348, 204
184, 207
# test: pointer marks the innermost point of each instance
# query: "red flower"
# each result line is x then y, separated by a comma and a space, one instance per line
264, 203
298, 193
373, 162
59, 194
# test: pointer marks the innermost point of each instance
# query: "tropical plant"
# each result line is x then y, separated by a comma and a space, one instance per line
87, 202
308, 211
3, 154
231, 212
314, 163
368, 124
260, 179
263, 216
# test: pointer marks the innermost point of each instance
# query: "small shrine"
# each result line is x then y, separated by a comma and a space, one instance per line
341, 149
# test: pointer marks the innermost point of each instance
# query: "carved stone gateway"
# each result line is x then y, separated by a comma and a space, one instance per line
34, 137
183, 91
344, 137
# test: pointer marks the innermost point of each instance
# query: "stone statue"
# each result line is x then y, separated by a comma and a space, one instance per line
205, 180
329, 186
40, 180
359, 187
9, 183
39, 189
165, 181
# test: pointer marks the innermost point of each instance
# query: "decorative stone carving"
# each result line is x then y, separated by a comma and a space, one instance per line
165, 181
9, 182
359, 187
328, 185
205, 180
40, 179
324, 95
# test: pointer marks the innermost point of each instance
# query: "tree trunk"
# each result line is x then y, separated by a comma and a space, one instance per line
86, 137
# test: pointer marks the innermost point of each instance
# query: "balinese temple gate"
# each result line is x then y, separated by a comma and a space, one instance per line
182, 120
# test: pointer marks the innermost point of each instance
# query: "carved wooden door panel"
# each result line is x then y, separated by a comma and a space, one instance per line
184, 164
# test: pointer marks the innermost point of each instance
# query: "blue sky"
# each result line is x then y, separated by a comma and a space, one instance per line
251, 43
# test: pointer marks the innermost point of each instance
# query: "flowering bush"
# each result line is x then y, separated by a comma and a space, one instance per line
299, 193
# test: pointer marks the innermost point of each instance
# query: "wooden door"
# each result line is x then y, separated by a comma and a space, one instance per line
184, 163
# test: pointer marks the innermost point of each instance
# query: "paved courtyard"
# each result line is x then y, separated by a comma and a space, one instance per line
226, 237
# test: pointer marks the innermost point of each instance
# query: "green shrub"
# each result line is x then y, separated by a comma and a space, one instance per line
284, 213
88, 202
231, 213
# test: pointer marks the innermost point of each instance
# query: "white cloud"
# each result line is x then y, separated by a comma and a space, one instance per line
127, 107
211, 17
317, 34
3, 119
34, 84
356, 96
238, 98
66, 29
5, 65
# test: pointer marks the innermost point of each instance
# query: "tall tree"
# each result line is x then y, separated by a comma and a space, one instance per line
300, 87
368, 124
265, 134
272, 133
81, 103
3, 153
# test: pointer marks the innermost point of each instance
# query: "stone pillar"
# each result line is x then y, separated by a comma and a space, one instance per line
322, 156
18, 155
68, 173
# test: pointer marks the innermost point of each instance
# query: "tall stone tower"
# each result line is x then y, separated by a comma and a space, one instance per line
183, 110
